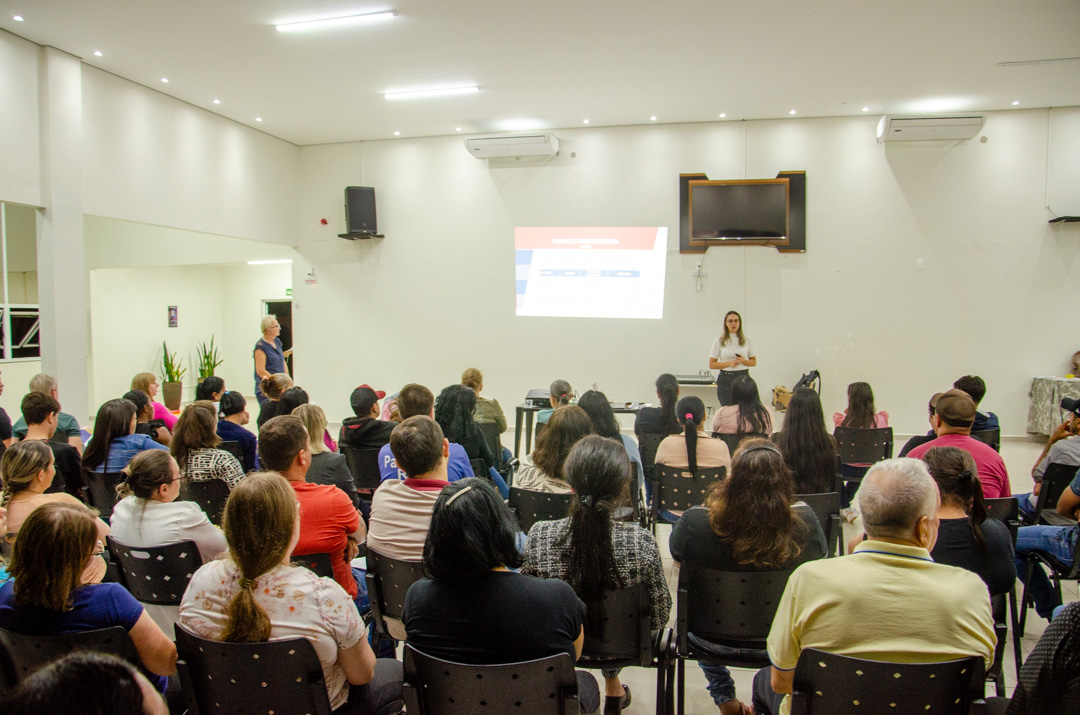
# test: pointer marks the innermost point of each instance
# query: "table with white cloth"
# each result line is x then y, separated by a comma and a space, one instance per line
1044, 412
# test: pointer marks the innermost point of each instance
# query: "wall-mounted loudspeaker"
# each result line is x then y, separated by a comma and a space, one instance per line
360, 213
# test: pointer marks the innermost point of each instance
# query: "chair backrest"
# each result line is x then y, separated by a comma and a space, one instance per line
233, 448
101, 491
625, 632
276, 676
209, 494
648, 443
319, 564
732, 608
531, 507
547, 686
23, 654
1055, 479
734, 440
826, 508
1007, 511
490, 430
479, 469
679, 489
991, 437
388, 581
828, 683
864, 446
364, 466
157, 574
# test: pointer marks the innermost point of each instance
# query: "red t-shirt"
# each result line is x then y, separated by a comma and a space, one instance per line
327, 517
992, 473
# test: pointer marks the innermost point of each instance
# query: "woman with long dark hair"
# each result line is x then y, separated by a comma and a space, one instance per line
542, 471
210, 389
454, 408
592, 552
749, 522
115, 442
809, 450
239, 599
732, 354
860, 412
746, 414
693, 448
603, 420
660, 420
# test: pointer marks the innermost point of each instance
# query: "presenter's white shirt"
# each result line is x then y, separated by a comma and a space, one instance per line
724, 353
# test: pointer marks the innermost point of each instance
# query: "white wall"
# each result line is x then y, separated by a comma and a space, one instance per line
20, 159
437, 294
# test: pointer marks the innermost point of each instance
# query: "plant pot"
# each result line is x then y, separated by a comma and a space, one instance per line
172, 392
200, 381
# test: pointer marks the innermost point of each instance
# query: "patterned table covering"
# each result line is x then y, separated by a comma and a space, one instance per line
1044, 412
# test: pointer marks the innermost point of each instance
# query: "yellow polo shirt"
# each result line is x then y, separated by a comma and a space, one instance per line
885, 602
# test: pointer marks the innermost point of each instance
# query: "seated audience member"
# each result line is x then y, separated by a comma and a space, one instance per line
114, 442
974, 386
660, 420
7, 437
389, 412
195, 446
67, 428
746, 414
1057, 540
1049, 679
808, 448
365, 430
454, 408
416, 400
922, 611
41, 413
327, 467
542, 471
953, 416
47, 595
144, 418
210, 389
26, 470
230, 428
860, 412
85, 683
329, 522
148, 383
401, 510
603, 420
561, 392
473, 608
487, 411
751, 521
693, 448
293, 398
272, 388
921, 439
1063, 447
592, 552
149, 514
238, 599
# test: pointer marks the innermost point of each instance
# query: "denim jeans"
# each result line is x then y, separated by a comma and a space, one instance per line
1026, 504
721, 684
363, 605
1058, 541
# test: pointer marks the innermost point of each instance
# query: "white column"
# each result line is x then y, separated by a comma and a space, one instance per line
62, 291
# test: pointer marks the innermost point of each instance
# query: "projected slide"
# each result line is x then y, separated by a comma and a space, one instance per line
591, 272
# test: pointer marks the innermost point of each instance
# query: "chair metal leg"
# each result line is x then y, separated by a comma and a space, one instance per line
1017, 652
1025, 601
681, 667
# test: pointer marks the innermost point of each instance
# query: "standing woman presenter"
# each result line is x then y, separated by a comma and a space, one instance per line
268, 354
732, 354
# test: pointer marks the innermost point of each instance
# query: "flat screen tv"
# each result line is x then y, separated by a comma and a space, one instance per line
750, 211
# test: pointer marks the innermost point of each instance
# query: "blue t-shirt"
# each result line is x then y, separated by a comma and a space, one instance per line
122, 449
275, 359
232, 432
457, 466
95, 606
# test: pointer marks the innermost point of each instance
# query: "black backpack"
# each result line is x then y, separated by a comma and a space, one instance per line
811, 380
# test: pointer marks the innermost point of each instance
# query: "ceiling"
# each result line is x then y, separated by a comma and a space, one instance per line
556, 63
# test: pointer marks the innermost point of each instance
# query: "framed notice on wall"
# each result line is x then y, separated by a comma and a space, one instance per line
173, 320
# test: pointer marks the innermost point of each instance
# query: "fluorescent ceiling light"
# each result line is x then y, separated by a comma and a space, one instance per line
413, 94
97, 53
267, 263
333, 21
165, 80
17, 18
217, 101
1051, 61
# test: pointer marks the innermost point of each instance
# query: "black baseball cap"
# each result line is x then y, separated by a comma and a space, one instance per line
1071, 404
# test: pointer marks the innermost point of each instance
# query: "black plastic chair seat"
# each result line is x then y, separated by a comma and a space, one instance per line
863, 446
209, 494
319, 564
1055, 480
157, 574
734, 440
388, 581
22, 654
364, 467
991, 437
234, 449
101, 491
826, 508
530, 507
678, 489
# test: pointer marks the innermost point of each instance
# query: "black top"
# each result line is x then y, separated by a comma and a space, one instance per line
477, 448
694, 541
5, 425
1049, 680
500, 617
365, 433
956, 547
650, 421
68, 469
267, 411
917, 440
331, 468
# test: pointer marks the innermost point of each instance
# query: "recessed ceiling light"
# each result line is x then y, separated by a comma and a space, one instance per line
652, 119
97, 53
792, 111
413, 94
334, 21
17, 18
722, 115
217, 101
1015, 103
258, 119
457, 129
585, 121
866, 109
165, 80
269, 262
397, 134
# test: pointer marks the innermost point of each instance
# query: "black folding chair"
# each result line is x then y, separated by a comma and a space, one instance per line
530, 507
826, 508
157, 574
22, 654
209, 494
433, 686
1007, 511
678, 489
626, 640
364, 466
388, 582
734, 440
319, 564
828, 683
860, 448
991, 437
1055, 480
234, 449
1058, 571
101, 491
505, 467
733, 610
648, 443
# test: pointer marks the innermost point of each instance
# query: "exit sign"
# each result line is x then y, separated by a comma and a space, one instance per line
288, 291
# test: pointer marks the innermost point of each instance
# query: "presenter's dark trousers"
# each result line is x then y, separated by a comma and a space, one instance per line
724, 382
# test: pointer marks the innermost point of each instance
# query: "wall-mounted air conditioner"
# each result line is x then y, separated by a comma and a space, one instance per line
526, 144
921, 128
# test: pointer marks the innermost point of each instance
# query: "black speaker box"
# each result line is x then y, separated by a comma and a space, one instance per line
360, 210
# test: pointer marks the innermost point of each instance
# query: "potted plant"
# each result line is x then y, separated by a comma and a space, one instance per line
208, 358
172, 376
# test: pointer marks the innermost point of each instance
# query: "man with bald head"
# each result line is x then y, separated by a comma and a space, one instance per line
886, 601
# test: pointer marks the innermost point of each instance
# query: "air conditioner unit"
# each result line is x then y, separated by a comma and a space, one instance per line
921, 128
531, 144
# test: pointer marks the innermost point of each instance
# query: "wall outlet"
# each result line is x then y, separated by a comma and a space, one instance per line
698, 272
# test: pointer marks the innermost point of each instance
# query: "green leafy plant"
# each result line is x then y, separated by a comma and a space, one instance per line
208, 358
170, 366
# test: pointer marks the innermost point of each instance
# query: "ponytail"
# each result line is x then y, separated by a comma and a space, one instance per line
667, 387
690, 411
978, 512
957, 478
560, 392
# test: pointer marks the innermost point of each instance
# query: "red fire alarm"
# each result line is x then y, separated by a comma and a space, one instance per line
322, 221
